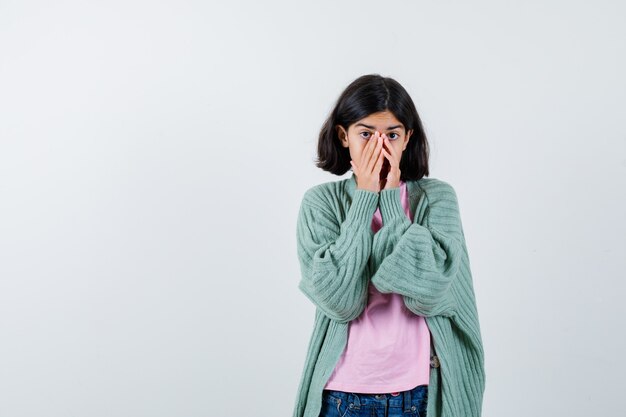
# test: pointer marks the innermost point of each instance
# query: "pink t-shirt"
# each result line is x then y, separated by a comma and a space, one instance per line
388, 347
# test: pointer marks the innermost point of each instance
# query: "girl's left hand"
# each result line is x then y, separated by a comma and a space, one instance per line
393, 176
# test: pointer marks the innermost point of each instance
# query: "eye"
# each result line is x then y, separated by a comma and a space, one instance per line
393, 133
365, 133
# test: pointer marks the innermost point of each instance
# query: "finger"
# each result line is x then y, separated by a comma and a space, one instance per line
390, 149
388, 156
379, 164
376, 156
392, 160
391, 152
369, 150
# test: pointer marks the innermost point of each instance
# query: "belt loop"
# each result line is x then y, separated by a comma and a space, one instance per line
407, 400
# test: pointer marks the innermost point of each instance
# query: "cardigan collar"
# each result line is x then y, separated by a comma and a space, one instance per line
412, 187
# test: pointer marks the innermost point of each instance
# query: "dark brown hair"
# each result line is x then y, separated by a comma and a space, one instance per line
366, 95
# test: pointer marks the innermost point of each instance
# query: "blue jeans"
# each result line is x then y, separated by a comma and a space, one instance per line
350, 404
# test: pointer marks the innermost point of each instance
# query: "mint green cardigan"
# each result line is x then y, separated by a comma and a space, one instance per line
425, 261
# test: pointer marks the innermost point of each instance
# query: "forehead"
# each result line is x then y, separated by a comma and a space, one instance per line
381, 121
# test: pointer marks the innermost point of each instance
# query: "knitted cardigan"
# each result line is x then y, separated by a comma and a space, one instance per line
426, 261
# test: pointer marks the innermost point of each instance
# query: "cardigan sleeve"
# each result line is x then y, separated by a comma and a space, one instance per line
420, 262
333, 256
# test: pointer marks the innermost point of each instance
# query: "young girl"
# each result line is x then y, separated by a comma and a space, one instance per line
383, 258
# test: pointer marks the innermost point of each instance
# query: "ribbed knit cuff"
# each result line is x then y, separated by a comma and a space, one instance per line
361, 211
390, 205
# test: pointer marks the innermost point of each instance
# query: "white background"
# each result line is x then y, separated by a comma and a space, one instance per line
153, 155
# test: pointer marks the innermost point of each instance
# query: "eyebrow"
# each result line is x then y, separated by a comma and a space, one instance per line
372, 127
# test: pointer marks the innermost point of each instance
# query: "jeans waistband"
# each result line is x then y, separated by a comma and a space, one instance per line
403, 400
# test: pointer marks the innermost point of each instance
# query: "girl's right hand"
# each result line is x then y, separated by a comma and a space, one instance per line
367, 170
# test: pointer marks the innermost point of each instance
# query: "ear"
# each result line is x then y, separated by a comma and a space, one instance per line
408, 136
343, 135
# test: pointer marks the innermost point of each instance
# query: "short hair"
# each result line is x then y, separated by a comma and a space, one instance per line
366, 95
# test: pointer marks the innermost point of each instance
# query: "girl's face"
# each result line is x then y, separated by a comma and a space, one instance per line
363, 130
